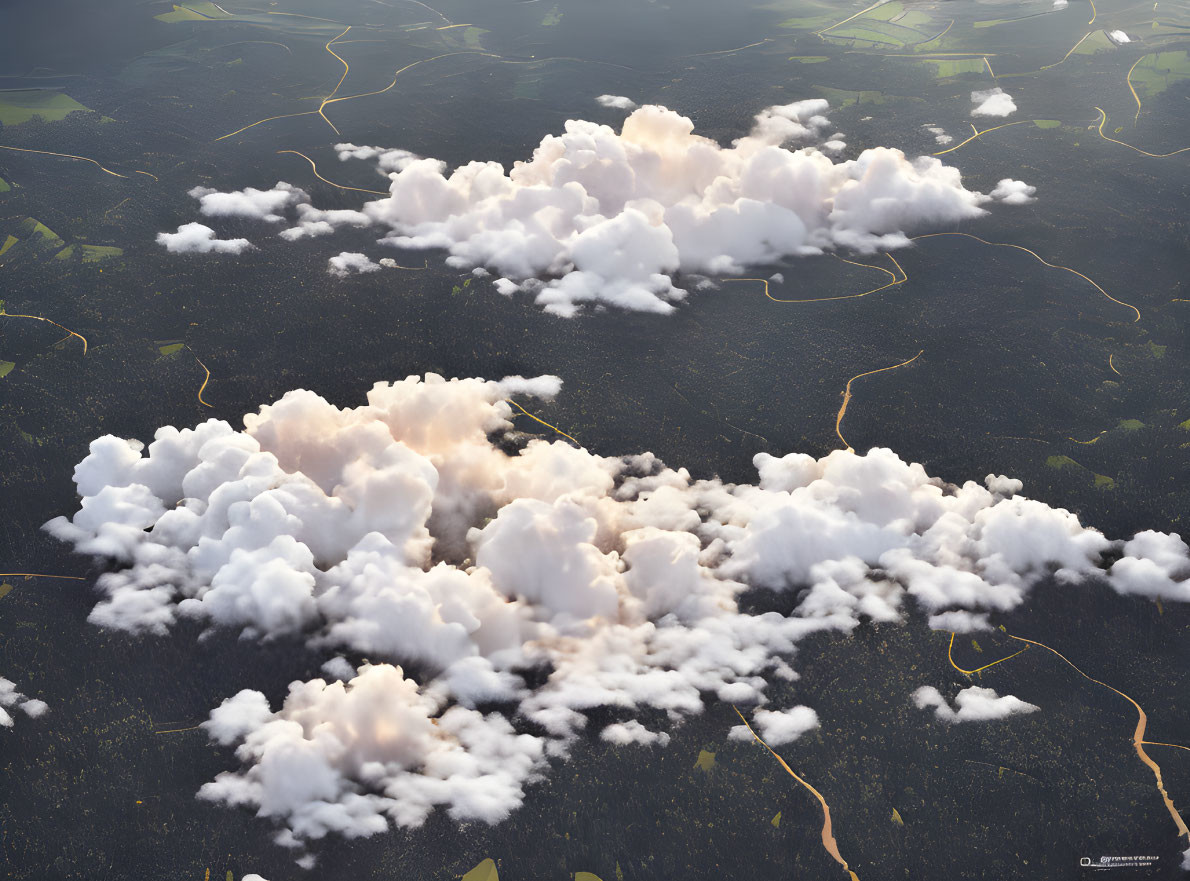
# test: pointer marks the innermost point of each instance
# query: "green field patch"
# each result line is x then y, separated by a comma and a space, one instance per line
887, 25
948, 67
1047, 123
4, 185
845, 97
706, 761
485, 871
167, 348
40, 237
1155, 351
5, 369
201, 10
1157, 72
996, 22
1063, 463
472, 37
1185, 426
51, 106
811, 22
98, 253
886, 11
35, 230
809, 59
1097, 42
1130, 425
552, 18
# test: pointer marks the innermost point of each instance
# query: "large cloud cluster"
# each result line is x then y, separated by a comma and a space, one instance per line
11, 699
528, 577
598, 216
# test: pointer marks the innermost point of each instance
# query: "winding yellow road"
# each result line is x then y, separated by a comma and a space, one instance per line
40, 575
1138, 735
206, 379
4, 314
331, 182
895, 281
1103, 121
828, 838
980, 134
1128, 80
543, 422
851, 18
950, 657
1037, 257
1159, 743
335, 90
69, 156
847, 397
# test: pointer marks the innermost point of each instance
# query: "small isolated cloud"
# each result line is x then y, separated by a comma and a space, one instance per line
195, 238
959, 621
350, 262
11, 699
974, 704
940, 135
617, 102
778, 727
992, 102
251, 204
387, 160
1013, 192
633, 733
1061, 4
1119, 37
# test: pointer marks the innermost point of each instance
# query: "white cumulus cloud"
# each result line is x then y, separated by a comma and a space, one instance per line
195, 238
599, 216
974, 704
250, 203
939, 133
419, 530
778, 727
1013, 192
11, 699
349, 262
617, 102
992, 102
